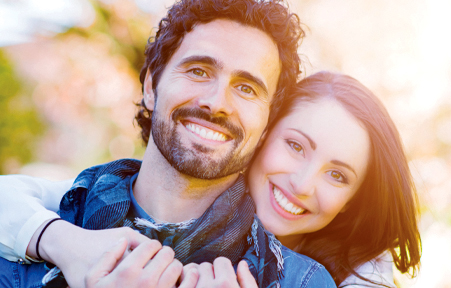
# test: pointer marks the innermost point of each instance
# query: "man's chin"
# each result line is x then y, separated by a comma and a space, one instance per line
199, 169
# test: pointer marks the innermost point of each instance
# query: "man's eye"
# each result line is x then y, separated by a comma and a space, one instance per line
246, 89
198, 72
338, 176
296, 146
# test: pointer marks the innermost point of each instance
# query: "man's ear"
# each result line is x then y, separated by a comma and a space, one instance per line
149, 95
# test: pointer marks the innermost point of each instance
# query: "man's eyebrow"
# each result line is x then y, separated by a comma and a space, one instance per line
252, 78
312, 143
337, 162
202, 59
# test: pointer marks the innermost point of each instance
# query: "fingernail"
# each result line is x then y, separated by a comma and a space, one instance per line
120, 241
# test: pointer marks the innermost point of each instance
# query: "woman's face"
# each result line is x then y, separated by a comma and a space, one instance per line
311, 164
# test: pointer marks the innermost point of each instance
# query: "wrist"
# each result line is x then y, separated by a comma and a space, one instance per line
31, 248
51, 242
40, 236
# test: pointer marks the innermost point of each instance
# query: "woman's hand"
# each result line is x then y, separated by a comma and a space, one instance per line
136, 270
76, 250
221, 274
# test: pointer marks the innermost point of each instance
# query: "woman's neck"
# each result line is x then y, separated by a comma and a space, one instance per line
290, 241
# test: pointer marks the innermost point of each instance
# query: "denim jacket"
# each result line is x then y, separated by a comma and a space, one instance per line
299, 271
295, 270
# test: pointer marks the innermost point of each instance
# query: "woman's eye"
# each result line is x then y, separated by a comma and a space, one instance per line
338, 176
246, 89
296, 146
198, 72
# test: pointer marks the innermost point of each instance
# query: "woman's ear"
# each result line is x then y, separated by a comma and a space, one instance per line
149, 95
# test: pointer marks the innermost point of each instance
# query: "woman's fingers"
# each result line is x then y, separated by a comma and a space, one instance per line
245, 278
223, 270
171, 274
187, 268
163, 270
148, 265
141, 255
106, 263
206, 275
159, 263
222, 274
190, 277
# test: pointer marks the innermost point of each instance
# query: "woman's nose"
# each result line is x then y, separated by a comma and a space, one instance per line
303, 182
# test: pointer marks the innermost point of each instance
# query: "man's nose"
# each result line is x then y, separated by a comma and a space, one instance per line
302, 182
218, 101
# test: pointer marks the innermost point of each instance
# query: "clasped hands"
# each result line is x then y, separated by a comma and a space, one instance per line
137, 261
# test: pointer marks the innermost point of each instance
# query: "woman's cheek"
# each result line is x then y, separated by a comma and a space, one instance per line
331, 205
275, 155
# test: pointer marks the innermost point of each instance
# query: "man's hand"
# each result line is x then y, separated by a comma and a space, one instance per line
76, 250
135, 270
221, 274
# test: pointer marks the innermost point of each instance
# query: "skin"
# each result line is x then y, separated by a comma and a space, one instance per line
317, 157
237, 86
161, 271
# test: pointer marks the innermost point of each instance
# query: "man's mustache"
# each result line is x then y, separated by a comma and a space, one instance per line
234, 131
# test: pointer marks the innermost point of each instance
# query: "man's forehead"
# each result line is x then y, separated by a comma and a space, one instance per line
236, 47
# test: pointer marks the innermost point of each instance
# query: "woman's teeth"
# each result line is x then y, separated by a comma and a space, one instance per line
285, 204
206, 133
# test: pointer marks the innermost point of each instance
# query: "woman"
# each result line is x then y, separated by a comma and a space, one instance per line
332, 182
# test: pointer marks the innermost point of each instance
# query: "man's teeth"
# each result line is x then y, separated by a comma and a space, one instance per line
206, 133
285, 204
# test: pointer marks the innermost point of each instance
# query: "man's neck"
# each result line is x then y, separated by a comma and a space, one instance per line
170, 196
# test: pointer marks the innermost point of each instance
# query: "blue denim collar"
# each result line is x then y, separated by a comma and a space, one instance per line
136, 211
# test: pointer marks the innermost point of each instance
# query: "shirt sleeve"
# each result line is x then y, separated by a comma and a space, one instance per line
378, 270
25, 203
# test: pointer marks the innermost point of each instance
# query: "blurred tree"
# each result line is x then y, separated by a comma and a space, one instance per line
127, 27
19, 121
85, 82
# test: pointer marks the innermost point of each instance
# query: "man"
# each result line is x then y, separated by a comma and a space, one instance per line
213, 77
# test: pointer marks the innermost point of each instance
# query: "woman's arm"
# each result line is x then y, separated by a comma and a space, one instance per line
378, 270
25, 204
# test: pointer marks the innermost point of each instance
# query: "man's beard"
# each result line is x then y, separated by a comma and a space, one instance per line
196, 162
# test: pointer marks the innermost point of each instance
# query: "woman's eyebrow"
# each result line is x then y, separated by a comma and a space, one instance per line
312, 143
337, 162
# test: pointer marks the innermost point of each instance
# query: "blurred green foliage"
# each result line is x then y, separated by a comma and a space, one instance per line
20, 124
128, 32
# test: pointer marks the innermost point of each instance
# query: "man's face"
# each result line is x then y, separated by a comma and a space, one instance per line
213, 99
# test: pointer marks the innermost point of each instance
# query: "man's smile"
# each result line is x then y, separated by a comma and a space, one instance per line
215, 130
205, 132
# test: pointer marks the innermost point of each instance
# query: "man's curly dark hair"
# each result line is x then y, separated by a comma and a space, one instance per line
270, 16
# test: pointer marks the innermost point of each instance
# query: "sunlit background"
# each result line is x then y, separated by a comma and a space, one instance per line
69, 78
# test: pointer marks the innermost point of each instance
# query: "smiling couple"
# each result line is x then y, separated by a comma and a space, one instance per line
219, 83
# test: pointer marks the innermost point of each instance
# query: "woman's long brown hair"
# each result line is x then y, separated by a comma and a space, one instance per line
382, 215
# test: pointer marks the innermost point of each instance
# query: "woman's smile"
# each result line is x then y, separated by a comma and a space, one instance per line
283, 205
